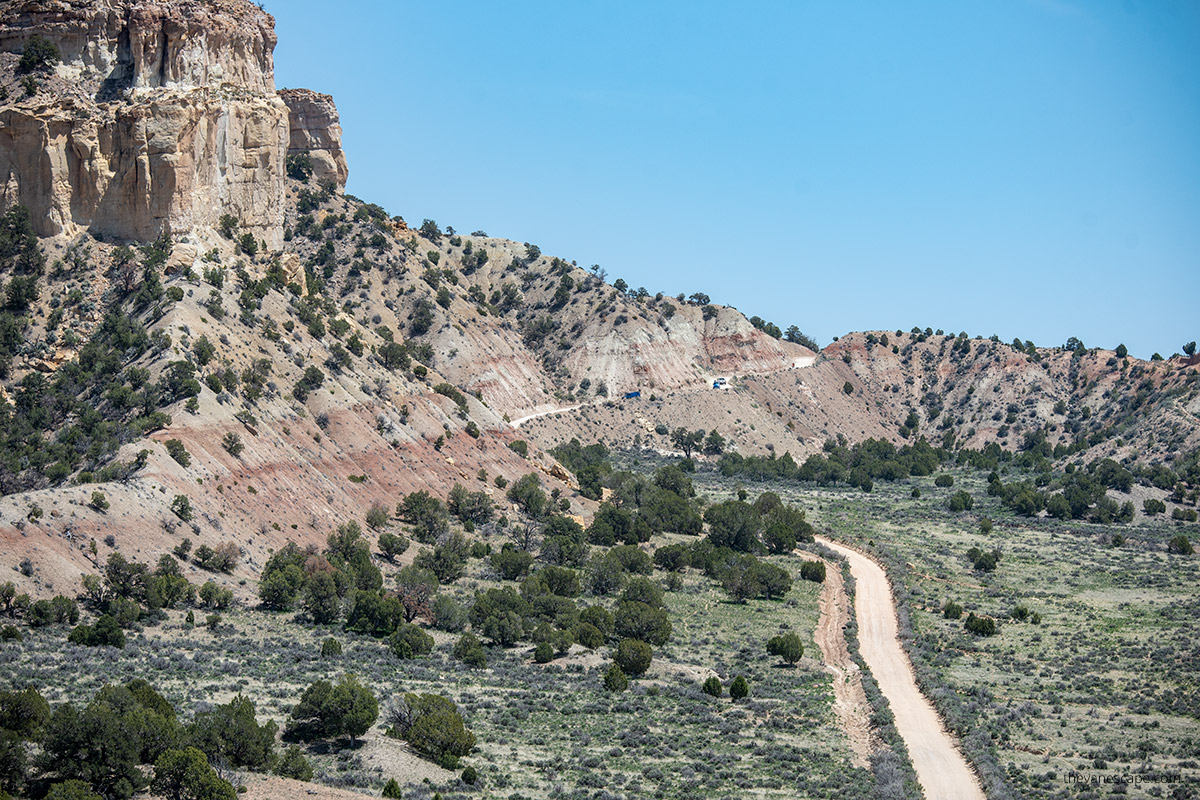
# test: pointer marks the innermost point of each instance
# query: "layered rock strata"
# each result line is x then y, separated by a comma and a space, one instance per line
160, 118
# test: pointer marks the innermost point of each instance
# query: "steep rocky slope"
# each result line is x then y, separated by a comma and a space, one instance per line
961, 392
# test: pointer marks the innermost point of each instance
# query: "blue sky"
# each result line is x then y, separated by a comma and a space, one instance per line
1027, 168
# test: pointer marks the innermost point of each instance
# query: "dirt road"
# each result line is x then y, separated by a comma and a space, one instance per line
519, 421
849, 700
940, 767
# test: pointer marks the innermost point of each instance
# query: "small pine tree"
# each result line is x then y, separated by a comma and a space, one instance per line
293, 764
1180, 546
713, 686
813, 571
99, 501
233, 444
392, 789
470, 651
788, 647
739, 688
615, 680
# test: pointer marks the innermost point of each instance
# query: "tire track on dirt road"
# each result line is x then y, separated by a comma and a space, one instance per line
849, 700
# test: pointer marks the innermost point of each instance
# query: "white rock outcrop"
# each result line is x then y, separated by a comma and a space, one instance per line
161, 117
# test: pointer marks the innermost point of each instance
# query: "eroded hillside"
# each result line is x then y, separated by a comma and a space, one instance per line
228, 348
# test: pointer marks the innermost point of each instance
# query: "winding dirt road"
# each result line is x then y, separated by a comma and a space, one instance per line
940, 767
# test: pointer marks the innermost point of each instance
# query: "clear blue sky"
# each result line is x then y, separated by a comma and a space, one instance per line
1027, 168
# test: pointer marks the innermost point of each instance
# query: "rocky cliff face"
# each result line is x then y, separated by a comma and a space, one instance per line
161, 117
317, 131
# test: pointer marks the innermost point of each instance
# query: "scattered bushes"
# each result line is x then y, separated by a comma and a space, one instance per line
983, 561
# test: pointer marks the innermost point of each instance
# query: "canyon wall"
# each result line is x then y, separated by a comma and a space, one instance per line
160, 118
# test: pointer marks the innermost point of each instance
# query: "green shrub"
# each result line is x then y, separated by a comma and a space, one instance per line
392, 545
511, 563
450, 391
377, 517
951, 610
299, 167
983, 561
615, 680
39, 54
739, 688
633, 656
1180, 546
327, 710
105, 633
232, 443
186, 775
712, 686
980, 626
72, 790
787, 646
231, 734
813, 571
293, 764
960, 501
469, 650
409, 641
433, 726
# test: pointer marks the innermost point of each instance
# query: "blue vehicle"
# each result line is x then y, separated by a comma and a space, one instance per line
631, 395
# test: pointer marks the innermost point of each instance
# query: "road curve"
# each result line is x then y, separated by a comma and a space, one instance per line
940, 766
519, 421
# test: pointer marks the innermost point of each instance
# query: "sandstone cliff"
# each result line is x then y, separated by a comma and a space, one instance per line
160, 118
317, 131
